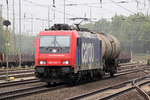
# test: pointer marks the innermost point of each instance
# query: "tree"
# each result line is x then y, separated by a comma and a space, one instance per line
132, 31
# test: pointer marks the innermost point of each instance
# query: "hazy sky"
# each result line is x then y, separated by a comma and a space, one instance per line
35, 12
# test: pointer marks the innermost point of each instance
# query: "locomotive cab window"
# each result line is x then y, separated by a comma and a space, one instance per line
55, 44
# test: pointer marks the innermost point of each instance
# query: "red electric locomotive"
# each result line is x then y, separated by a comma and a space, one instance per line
65, 54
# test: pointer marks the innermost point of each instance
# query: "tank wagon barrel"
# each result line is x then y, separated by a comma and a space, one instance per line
110, 46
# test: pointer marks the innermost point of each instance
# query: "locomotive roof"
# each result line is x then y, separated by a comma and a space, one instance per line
85, 34
65, 29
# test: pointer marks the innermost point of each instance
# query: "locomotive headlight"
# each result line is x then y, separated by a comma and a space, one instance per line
42, 62
65, 62
54, 50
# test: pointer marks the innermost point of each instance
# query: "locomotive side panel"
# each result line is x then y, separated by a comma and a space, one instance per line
89, 54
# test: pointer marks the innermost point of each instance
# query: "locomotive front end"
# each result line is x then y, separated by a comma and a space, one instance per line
54, 58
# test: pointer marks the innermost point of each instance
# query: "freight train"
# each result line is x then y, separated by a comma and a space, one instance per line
67, 54
125, 57
27, 51
26, 59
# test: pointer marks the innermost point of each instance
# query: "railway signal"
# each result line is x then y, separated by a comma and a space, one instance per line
7, 23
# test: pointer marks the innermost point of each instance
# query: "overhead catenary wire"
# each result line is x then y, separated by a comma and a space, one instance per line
46, 19
122, 7
34, 18
59, 11
34, 3
46, 6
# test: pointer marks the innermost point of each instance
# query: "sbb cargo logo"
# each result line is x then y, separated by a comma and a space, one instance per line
87, 53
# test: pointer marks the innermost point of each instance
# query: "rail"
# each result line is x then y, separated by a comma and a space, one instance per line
143, 93
129, 84
28, 91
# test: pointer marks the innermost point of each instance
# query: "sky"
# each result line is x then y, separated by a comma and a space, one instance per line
34, 13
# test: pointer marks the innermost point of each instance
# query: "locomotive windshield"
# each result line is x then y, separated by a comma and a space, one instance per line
54, 44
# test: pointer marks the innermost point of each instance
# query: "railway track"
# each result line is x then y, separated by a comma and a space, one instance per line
11, 70
130, 65
119, 73
124, 64
28, 91
134, 69
20, 75
106, 86
129, 71
112, 91
16, 72
33, 90
27, 72
14, 83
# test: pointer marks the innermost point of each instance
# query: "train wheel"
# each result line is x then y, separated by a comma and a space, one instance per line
72, 79
111, 74
49, 83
